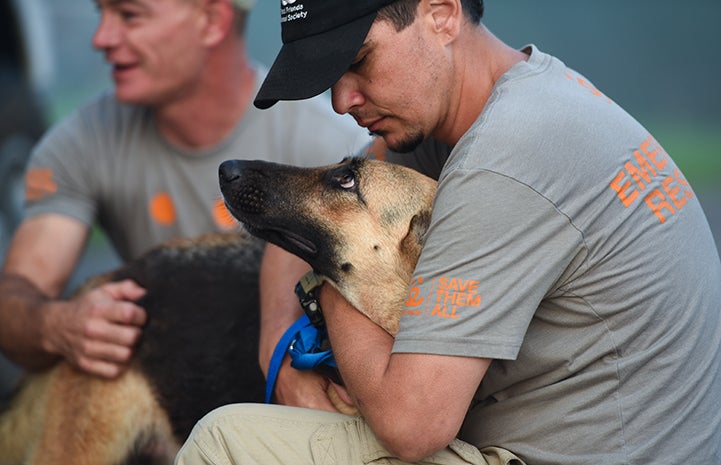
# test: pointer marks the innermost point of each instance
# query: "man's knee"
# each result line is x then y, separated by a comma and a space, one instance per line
251, 432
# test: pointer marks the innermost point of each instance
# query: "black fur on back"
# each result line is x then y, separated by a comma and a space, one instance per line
199, 348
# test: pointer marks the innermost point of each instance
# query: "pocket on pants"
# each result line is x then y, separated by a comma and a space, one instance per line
349, 442
353, 443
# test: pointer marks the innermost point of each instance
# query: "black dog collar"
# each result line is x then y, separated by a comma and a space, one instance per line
306, 292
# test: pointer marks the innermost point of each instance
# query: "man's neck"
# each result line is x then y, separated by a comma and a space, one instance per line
210, 113
483, 59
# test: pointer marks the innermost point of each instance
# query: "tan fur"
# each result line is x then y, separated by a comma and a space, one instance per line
25, 424
381, 239
106, 417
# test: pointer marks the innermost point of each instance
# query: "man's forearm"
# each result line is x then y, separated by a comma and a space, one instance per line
279, 273
399, 394
362, 345
22, 319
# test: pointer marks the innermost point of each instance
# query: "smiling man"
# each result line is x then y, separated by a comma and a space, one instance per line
142, 162
558, 314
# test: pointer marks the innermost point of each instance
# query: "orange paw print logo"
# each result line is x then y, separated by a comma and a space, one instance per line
414, 294
162, 209
163, 212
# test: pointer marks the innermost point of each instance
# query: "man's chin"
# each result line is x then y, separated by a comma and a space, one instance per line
403, 145
126, 96
132, 98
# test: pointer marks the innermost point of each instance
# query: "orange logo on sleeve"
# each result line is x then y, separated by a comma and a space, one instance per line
415, 300
39, 183
162, 209
446, 299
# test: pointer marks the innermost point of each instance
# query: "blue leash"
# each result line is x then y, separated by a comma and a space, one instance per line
303, 342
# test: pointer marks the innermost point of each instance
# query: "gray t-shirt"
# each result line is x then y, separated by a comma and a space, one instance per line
107, 162
566, 245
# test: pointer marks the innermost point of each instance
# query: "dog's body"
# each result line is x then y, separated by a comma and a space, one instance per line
359, 224
199, 350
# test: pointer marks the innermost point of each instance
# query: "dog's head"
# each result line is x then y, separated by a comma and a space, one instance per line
359, 223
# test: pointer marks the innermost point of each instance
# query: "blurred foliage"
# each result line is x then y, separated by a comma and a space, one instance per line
696, 148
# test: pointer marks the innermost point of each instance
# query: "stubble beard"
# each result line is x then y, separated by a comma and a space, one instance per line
405, 145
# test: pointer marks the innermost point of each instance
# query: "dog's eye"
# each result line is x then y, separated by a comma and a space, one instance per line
347, 181
343, 177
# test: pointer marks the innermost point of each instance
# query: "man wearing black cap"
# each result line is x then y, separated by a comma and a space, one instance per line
563, 301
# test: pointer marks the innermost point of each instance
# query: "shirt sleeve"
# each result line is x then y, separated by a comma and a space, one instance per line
495, 248
59, 174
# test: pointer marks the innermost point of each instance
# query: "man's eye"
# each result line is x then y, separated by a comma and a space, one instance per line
358, 63
128, 15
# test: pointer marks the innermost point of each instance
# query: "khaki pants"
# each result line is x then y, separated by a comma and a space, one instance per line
272, 434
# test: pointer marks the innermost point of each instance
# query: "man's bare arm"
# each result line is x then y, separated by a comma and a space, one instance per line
95, 332
400, 394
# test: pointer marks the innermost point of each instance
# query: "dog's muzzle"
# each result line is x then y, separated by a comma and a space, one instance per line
247, 195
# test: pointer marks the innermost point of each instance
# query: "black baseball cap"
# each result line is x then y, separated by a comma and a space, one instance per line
320, 40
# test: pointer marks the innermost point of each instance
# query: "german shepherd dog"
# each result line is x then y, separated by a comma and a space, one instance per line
359, 224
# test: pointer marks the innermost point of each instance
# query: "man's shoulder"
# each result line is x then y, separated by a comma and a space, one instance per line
92, 130
105, 109
99, 119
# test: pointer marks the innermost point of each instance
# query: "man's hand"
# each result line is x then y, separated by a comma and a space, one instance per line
302, 388
96, 332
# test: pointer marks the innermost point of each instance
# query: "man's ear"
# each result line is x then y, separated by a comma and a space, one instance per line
446, 15
219, 14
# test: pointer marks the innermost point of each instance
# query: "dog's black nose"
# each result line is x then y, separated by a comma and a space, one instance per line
229, 171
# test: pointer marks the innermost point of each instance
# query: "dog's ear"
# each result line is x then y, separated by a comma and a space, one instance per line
412, 244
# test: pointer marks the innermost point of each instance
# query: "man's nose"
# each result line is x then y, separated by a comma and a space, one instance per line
346, 95
107, 34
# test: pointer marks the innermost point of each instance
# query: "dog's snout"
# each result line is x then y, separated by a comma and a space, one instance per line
229, 171
241, 186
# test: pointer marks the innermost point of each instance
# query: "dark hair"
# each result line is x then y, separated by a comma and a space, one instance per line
402, 13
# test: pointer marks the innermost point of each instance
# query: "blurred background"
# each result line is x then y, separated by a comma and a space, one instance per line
660, 60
